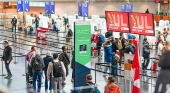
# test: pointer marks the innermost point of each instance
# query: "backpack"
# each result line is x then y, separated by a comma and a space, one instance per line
101, 39
120, 46
57, 69
70, 33
37, 65
129, 49
94, 88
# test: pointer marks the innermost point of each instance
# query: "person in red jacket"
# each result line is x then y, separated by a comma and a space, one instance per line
29, 56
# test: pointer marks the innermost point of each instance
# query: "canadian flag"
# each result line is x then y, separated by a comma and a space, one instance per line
136, 69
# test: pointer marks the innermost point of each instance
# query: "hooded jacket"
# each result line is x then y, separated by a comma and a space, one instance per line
112, 88
108, 54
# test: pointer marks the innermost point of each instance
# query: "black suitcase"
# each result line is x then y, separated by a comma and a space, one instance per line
28, 78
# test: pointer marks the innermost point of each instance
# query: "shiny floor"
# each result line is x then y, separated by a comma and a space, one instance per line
21, 45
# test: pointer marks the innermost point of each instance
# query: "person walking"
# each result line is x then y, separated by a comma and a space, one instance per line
111, 87
29, 57
160, 47
58, 71
65, 59
166, 47
47, 60
37, 64
99, 45
14, 23
146, 54
108, 55
7, 58
121, 47
72, 65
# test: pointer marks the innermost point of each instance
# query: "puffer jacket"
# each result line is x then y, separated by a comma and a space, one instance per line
112, 88
108, 54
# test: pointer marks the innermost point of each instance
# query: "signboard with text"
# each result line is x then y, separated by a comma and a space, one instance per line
117, 21
83, 9
23, 6
141, 23
126, 7
82, 52
50, 7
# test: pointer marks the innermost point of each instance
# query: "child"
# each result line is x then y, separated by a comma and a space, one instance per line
55, 29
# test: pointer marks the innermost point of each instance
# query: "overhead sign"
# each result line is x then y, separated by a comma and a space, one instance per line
26, 6
126, 7
141, 23
19, 5
117, 21
83, 9
50, 7
23, 6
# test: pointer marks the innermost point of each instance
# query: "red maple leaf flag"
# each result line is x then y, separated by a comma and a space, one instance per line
136, 69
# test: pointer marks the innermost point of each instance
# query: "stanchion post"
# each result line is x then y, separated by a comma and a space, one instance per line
19, 46
2, 70
25, 67
15, 62
41, 44
95, 72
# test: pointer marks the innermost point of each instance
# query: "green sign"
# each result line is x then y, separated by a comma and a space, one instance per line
82, 42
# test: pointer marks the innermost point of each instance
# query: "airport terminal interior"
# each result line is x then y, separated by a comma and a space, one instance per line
36, 19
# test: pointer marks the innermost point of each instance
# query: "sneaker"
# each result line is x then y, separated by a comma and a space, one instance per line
63, 83
72, 80
10, 77
6, 77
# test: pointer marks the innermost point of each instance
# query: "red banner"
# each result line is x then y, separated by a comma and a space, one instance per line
141, 23
117, 21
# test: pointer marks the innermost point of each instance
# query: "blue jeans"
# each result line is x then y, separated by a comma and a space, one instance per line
39, 75
46, 81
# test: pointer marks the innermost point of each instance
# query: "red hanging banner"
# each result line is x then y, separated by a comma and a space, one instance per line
117, 21
141, 23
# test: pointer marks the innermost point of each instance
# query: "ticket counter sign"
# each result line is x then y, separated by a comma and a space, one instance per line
117, 21
141, 23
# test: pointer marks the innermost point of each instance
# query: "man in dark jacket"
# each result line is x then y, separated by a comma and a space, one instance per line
37, 64
14, 23
65, 59
7, 58
146, 54
88, 86
114, 45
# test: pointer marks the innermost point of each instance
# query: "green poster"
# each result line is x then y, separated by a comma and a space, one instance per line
83, 42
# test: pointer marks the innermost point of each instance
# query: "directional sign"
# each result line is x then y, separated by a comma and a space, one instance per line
47, 7
79, 8
126, 8
26, 6
83, 9
50, 7
19, 5
23, 6
129, 7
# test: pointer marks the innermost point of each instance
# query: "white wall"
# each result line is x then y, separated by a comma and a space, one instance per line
100, 8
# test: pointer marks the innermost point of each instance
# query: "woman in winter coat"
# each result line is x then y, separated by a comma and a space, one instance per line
111, 87
108, 55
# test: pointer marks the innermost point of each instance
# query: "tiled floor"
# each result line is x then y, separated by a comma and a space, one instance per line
18, 84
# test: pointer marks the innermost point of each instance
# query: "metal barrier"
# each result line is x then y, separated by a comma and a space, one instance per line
121, 76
